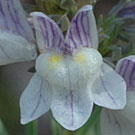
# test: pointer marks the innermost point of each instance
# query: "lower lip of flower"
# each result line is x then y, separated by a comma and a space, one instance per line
73, 70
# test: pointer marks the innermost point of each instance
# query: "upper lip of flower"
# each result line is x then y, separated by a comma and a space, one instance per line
77, 34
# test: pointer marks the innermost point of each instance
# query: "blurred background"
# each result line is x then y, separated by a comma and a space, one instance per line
15, 77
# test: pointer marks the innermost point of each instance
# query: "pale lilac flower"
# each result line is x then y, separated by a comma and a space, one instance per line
71, 74
16, 36
122, 122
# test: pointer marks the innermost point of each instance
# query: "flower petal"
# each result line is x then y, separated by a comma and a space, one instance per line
48, 33
109, 89
129, 110
35, 100
15, 49
71, 108
113, 123
13, 19
16, 35
83, 31
126, 68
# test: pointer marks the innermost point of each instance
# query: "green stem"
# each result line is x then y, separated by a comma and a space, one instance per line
97, 127
3, 130
91, 121
66, 132
56, 128
31, 128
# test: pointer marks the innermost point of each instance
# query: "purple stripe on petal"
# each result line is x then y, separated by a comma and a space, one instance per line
121, 67
4, 19
71, 96
82, 30
43, 33
77, 28
72, 40
126, 68
53, 35
75, 108
46, 37
131, 79
72, 109
50, 32
106, 88
35, 100
89, 29
13, 19
21, 30
36, 108
60, 43
40, 97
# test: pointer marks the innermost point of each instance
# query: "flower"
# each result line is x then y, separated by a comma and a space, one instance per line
16, 36
71, 74
122, 122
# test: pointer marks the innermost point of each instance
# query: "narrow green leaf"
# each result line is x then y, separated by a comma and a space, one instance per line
3, 130
90, 122
100, 21
56, 128
31, 128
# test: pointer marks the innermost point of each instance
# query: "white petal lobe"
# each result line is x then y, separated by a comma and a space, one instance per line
109, 89
35, 100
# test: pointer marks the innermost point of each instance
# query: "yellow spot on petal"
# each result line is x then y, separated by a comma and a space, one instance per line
54, 60
81, 57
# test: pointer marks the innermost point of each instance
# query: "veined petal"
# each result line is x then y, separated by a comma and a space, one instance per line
48, 33
126, 68
113, 123
71, 108
35, 100
71, 105
15, 48
129, 110
82, 30
109, 89
13, 19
